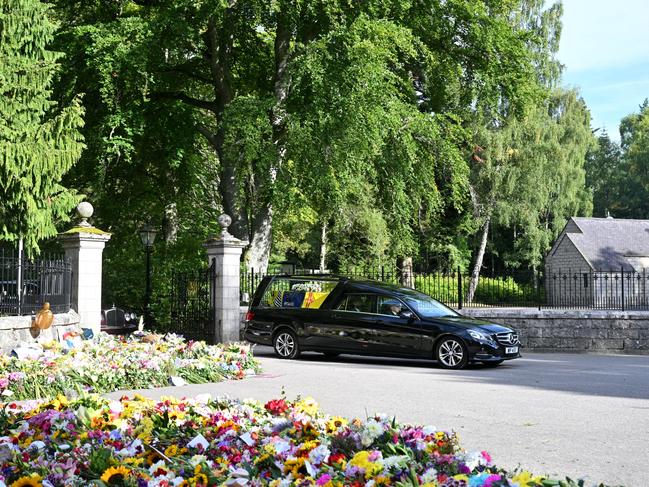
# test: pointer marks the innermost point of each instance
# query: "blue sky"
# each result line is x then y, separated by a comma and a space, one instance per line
605, 50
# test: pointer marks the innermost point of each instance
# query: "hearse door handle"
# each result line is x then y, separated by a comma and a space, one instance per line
342, 333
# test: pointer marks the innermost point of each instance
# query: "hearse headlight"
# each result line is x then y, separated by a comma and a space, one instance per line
482, 337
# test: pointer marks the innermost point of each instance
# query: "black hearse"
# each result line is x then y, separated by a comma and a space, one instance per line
340, 315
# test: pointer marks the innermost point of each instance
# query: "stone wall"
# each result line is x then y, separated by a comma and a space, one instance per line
573, 330
16, 330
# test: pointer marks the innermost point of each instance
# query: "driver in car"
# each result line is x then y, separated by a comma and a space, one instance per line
394, 309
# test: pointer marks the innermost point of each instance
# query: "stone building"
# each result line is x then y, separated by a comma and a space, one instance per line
599, 262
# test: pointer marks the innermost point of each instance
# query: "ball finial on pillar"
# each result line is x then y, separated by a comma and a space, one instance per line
85, 211
225, 221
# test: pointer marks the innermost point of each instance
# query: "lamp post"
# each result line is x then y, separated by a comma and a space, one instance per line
147, 235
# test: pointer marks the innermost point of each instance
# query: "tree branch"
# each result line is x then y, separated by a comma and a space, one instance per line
208, 134
219, 45
180, 96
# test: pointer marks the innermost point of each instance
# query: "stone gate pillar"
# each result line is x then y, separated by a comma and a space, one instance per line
84, 246
224, 252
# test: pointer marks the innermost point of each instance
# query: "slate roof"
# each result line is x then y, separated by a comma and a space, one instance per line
605, 242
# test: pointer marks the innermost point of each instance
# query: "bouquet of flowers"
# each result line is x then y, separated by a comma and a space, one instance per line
309, 287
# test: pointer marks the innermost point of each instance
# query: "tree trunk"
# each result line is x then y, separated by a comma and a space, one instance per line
170, 223
257, 254
233, 204
219, 47
475, 275
257, 229
231, 201
406, 274
323, 247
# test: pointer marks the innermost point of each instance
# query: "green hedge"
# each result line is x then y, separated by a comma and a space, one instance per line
490, 291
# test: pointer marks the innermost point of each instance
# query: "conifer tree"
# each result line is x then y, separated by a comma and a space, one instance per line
39, 140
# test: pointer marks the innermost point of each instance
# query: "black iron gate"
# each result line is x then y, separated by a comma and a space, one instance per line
192, 304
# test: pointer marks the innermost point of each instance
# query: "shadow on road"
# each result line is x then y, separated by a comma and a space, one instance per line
597, 375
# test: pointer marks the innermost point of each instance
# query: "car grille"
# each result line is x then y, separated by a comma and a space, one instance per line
507, 338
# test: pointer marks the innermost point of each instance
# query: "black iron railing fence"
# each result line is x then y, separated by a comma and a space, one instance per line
192, 303
622, 289
26, 284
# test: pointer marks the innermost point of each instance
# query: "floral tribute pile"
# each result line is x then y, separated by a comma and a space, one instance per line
205, 442
108, 363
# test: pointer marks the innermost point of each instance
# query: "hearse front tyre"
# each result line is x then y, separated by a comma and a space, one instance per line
451, 353
285, 344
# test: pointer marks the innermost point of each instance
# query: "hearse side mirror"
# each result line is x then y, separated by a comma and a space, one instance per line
407, 314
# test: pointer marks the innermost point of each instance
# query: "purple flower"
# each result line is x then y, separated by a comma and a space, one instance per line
16, 376
4, 382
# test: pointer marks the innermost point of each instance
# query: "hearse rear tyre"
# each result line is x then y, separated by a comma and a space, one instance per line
285, 344
451, 353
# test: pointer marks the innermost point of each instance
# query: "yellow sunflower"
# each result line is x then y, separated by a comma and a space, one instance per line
34, 480
171, 451
153, 457
308, 445
199, 479
114, 475
336, 422
294, 466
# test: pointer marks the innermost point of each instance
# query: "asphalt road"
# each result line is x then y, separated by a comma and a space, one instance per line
584, 416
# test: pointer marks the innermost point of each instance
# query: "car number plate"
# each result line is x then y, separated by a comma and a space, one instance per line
511, 350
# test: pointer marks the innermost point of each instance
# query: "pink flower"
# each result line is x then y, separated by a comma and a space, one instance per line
324, 479
489, 481
4, 382
486, 456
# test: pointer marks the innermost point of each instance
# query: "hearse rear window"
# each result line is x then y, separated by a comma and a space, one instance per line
358, 303
291, 292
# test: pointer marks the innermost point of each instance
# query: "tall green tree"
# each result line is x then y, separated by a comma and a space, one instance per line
634, 133
528, 165
359, 137
39, 140
494, 123
605, 177
532, 178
